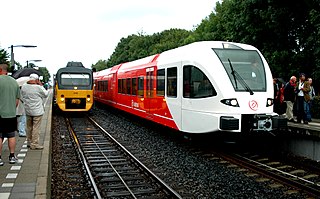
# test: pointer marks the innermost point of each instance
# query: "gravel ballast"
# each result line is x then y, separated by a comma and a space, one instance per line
170, 157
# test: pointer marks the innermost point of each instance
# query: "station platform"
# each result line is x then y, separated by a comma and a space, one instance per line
29, 178
313, 127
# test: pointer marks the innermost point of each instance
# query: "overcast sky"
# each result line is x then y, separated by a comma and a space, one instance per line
87, 31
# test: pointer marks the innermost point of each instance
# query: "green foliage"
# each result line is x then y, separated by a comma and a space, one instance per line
169, 39
4, 57
315, 107
100, 65
287, 33
138, 46
45, 73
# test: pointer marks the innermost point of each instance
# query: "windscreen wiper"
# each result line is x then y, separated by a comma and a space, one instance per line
240, 79
71, 78
233, 73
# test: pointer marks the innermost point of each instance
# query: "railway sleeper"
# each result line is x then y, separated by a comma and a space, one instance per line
104, 169
127, 193
116, 179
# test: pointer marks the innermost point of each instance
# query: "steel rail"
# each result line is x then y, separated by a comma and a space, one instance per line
279, 171
114, 169
93, 183
166, 186
252, 165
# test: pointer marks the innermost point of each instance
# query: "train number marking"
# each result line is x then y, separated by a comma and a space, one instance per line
253, 104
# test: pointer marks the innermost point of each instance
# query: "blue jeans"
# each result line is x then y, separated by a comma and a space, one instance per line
307, 110
22, 125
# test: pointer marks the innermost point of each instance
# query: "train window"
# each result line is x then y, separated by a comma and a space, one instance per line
119, 86
172, 82
97, 85
129, 86
150, 83
160, 82
124, 86
245, 69
140, 86
69, 79
196, 84
134, 86
101, 86
105, 85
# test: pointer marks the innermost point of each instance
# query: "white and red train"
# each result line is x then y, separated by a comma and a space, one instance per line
202, 87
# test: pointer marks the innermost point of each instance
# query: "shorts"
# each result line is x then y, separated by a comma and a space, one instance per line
8, 135
8, 126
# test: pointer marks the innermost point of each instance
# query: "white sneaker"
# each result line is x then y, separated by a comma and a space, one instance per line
13, 160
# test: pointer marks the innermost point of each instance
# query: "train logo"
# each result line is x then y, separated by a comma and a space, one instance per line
253, 104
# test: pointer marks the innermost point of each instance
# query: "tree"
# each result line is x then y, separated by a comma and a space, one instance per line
169, 39
4, 57
100, 65
45, 73
285, 32
139, 46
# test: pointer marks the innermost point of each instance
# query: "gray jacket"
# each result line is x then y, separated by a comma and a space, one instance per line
32, 96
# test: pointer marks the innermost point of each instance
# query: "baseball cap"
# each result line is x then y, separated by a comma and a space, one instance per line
34, 76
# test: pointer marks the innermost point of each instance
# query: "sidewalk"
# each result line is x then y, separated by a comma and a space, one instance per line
29, 178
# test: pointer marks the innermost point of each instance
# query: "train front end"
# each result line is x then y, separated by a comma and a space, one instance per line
250, 98
74, 90
222, 86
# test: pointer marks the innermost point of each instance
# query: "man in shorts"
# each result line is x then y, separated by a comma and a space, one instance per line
9, 99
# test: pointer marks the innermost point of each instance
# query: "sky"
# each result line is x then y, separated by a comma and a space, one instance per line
87, 31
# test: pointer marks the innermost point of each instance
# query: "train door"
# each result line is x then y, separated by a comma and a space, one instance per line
173, 91
113, 85
149, 90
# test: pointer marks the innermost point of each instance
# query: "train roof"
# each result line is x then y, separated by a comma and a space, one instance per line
73, 69
179, 53
74, 64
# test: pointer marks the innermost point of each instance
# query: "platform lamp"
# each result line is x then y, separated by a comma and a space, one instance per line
33, 60
12, 54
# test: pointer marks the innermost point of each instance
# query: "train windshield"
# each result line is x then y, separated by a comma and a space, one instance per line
244, 68
69, 79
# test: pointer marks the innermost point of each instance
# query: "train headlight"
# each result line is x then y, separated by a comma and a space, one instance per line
230, 102
269, 102
88, 98
62, 98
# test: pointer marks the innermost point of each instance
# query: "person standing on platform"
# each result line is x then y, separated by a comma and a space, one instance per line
289, 97
9, 99
282, 104
33, 94
302, 90
312, 93
21, 117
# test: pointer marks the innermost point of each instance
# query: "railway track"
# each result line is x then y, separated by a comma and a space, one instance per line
268, 170
209, 155
69, 179
112, 170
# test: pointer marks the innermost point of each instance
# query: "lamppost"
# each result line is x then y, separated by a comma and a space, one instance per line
33, 60
12, 55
